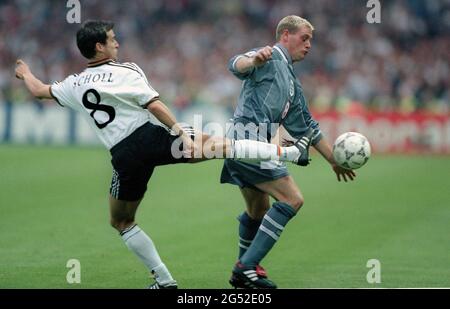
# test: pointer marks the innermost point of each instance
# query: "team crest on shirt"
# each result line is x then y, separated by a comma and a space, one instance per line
286, 109
291, 88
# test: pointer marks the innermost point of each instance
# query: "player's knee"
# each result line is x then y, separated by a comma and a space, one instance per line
298, 202
114, 223
120, 225
295, 201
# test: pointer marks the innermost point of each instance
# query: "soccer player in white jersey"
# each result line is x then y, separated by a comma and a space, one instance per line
115, 99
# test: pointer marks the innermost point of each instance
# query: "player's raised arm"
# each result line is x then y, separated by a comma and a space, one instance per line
37, 88
249, 61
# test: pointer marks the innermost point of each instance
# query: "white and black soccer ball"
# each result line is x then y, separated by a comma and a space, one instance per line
351, 150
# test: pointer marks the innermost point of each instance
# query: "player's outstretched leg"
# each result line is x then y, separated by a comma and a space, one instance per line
249, 150
209, 147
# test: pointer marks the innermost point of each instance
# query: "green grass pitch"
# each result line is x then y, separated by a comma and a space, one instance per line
53, 207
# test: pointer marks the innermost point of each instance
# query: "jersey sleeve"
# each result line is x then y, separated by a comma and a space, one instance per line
62, 91
232, 65
140, 89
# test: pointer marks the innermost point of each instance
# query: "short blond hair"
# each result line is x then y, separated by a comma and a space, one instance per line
291, 23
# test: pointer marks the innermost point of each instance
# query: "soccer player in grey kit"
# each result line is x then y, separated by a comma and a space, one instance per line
270, 94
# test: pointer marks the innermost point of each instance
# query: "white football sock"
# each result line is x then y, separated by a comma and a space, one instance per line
245, 149
290, 154
141, 245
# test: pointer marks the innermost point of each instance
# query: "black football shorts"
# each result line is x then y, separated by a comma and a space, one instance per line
135, 157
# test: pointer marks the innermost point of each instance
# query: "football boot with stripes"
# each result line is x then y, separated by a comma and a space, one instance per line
157, 286
261, 271
171, 285
248, 278
303, 144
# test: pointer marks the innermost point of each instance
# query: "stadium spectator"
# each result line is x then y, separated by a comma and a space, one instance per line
400, 64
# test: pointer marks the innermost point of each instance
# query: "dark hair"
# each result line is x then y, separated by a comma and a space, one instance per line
91, 33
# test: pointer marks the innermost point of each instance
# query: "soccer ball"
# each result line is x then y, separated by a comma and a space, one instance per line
351, 150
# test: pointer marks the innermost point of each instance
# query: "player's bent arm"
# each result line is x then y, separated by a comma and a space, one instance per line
245, 63
325, 150
163, 114
37, 88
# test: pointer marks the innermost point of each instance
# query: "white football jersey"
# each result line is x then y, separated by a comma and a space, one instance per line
111, 96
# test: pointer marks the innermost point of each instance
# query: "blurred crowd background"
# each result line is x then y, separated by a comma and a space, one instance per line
400, 64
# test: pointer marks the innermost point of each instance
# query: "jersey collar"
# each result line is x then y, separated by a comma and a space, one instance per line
96, 63
283, 53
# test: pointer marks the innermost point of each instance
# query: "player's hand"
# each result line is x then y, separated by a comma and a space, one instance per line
343, 173
262, 56
21, 69
189, 147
